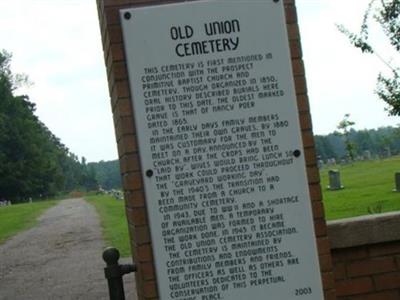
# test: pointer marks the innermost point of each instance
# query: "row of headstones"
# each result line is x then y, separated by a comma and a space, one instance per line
5, 203
335, 183
115, 193
366, 156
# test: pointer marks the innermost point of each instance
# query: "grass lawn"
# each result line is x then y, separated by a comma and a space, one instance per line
18, 217
368, 187
113, 222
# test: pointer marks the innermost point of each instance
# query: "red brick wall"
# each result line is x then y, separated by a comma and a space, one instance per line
366, 257
128, 154
370, 272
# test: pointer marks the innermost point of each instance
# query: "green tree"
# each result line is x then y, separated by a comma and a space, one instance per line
324, 147
33, 162
387, 15
373, 140
107, 174
344, 128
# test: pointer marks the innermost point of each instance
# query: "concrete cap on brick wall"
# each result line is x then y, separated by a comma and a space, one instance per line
358, 231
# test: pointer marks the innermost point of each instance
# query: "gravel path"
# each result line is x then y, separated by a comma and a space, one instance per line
60, 258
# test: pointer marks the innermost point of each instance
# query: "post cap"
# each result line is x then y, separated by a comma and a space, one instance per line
111, 255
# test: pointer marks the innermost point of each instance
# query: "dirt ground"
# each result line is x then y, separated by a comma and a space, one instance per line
60, 258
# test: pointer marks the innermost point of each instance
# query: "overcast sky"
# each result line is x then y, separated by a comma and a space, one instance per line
57, 44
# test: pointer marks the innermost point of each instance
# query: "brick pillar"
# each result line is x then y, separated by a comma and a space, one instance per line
323, 243
128, 153
127, 145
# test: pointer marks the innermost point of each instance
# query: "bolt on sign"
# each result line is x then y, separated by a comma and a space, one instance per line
221, 151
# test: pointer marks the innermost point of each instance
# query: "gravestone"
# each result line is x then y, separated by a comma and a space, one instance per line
397, 181
387, 152
331, 161
320, 163
334, 180
5, 203
367, 155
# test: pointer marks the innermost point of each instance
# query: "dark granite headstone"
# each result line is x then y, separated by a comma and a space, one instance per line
397, 181
334, 180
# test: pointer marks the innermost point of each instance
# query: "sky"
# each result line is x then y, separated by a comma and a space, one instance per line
57, 44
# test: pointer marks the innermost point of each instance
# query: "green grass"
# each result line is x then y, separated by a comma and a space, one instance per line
18, 217
113, 222
368, 188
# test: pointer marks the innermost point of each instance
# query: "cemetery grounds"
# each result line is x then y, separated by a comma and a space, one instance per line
368, 188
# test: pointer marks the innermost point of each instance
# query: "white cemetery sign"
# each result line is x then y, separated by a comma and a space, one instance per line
221, 151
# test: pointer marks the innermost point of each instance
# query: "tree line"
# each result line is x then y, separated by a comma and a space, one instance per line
379, 142
33, 161
107, 174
